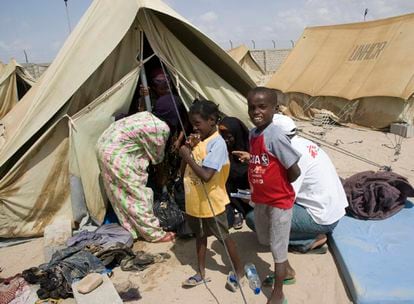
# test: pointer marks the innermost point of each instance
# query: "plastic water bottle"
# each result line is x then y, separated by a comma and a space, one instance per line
254, 280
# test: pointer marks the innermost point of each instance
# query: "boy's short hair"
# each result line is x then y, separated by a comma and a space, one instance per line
269, 93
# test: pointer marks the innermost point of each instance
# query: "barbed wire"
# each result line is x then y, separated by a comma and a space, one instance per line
258, 44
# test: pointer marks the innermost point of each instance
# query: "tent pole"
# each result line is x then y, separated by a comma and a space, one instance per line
142, 72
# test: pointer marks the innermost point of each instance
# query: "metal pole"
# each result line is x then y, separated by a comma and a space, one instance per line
293, 44
274, 44
25, 56
254, 44
142, 72
67, 16
231, 44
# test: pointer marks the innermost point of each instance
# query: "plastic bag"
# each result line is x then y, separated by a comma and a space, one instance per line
168, 213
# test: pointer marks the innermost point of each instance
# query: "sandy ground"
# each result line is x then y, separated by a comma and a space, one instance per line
318, 279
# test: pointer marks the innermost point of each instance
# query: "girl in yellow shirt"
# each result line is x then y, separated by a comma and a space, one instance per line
207, 166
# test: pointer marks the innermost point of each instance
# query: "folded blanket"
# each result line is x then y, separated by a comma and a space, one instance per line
376, 195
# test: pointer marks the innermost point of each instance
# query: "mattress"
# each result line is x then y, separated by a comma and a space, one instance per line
376, 258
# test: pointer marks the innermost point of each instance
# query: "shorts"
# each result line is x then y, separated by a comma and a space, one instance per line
204, 227
273, 228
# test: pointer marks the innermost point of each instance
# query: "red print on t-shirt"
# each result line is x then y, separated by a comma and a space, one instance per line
313, 150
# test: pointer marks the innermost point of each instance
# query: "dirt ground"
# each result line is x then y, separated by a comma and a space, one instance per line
318, 279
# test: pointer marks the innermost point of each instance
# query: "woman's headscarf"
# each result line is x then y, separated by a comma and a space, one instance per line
238, 171
239, 131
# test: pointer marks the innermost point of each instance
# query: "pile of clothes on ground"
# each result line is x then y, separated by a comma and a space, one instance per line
376, 195
87, 252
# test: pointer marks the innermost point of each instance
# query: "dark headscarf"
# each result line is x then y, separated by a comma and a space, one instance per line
166, 110
238, 178
239, 131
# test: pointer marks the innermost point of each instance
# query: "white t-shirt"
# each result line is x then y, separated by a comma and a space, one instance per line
318, 188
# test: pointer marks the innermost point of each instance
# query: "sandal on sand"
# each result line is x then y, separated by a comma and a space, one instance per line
168, 237
238, 221
318, 250
270, 280
231, 283
195, 280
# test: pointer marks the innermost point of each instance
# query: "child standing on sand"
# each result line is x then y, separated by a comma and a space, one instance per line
272, 168
206, 171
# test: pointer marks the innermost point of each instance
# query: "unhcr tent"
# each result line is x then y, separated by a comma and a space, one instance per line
243, 57
362, 72
49, 137
14, 83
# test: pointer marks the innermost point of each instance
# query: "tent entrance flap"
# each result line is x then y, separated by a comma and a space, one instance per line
86, 128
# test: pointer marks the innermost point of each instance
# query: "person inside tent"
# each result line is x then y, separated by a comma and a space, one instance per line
124, 152
169, 108
167, 105
236, 136
320, 197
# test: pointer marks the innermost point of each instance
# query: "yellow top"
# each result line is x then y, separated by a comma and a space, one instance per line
210, 153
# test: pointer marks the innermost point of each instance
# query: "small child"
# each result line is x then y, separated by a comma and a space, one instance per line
272, 169
206, 170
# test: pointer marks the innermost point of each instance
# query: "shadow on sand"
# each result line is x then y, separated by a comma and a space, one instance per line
217, 260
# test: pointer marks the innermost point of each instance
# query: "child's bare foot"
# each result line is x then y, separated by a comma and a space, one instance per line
277, 298
290, 272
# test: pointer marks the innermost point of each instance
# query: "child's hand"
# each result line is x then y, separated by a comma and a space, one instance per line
242, 155
143, 91
185, 152
192, 140
176, 145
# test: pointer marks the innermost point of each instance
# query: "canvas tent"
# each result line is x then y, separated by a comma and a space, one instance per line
14, 83
243, 57
363, 72
49, 137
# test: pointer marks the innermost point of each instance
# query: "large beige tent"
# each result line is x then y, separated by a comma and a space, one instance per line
363, 72
243, 57
49, 137
14, 83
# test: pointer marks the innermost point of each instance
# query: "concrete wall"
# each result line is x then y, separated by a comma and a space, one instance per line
270, 59
35, 69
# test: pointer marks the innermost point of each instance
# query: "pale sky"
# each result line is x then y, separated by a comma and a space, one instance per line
40, 26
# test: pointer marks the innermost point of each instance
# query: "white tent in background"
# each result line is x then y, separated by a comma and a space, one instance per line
362, 72
243, 57
51, 133
14, 83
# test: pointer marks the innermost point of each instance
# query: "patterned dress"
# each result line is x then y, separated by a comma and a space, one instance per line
124, 151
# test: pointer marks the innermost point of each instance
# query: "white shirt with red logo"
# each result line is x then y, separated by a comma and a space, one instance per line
318, 188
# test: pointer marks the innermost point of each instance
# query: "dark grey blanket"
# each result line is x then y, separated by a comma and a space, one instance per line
376, 195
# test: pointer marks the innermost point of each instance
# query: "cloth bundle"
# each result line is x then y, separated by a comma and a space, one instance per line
55, 278
14, 290
106, 235
88, 252
376, 195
